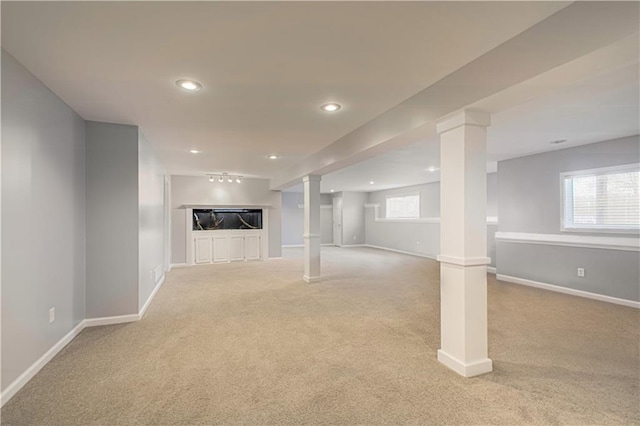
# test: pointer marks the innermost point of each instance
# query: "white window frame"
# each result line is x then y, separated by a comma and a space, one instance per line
594, 172
413, 194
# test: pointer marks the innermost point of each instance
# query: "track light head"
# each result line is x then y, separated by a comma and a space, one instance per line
224, 177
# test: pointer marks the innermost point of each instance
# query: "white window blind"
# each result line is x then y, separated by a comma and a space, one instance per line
403, 207
602, 199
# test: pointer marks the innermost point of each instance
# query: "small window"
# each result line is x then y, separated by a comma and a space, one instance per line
606, 199
403, 207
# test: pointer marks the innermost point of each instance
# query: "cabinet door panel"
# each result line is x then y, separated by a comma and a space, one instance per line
236, 248
220, 249
252, 247
202, 249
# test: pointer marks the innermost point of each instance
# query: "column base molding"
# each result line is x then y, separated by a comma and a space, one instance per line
471, 369
464, 261
310, 279
311, 236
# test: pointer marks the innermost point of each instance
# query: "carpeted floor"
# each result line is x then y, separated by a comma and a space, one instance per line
251, 343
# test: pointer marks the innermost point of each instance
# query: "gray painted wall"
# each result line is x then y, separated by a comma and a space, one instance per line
43, 219
418, 238
293, 219
421, 238
529, 198
529, 201
112, 219
429, 198
197, 190
492, 194
151, 242
608, 272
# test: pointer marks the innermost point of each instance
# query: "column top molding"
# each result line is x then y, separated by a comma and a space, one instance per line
463, 117
312, 178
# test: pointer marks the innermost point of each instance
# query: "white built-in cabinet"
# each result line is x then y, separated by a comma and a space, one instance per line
227, 246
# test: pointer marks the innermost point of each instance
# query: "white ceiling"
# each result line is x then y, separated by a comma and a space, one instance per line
590, 99
266, 68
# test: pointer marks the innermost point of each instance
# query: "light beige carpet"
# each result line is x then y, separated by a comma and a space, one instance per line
251, 343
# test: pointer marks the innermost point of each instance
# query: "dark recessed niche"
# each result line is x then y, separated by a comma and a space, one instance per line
219, 219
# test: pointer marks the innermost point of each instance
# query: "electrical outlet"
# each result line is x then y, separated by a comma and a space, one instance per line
52, 315
581, 272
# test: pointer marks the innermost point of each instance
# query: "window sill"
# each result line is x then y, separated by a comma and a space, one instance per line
584, 241
633, 232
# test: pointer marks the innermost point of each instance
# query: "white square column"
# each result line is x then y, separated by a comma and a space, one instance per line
311, 228
463, 242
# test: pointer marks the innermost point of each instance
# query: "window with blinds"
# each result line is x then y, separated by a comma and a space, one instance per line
403, 207
606, 199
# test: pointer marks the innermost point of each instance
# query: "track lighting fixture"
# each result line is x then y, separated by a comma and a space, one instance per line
224, 177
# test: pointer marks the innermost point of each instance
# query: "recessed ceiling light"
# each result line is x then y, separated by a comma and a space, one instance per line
371, 182
333, 190
558, 142
331, 107
432, 169
273, 157
190, 85
195, 151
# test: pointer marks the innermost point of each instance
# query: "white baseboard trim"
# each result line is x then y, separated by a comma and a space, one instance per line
28, 374
151, 296
178, 265
570, 291
491, 269
119, 319
302, 245
426, 256
275, 258
472, 369
463, 261
353, 245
